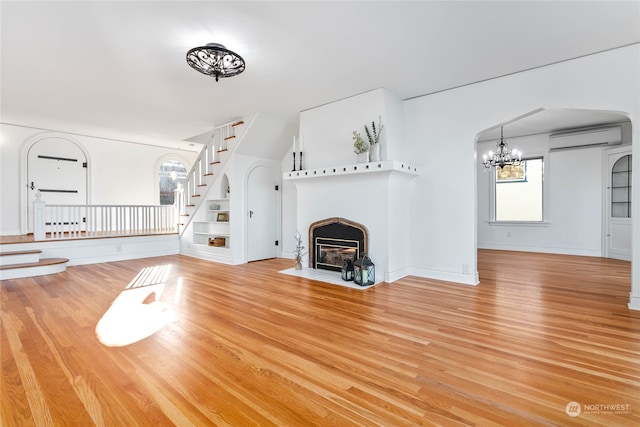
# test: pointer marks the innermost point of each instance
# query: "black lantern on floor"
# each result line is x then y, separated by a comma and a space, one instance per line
347, 270
364, 271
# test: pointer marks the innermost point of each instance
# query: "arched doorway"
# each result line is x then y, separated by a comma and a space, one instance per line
57, 168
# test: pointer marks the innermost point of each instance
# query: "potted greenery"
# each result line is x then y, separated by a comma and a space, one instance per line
374, 139
360, 147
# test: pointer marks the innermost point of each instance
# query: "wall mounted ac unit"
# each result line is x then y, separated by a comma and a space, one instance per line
585, 139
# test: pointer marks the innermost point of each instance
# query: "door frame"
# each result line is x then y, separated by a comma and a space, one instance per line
606, 196
23, 208
275, 172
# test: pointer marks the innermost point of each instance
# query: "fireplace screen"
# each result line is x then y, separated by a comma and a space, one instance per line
334, 240
332, 253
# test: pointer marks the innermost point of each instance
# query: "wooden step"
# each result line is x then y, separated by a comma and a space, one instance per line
19, 257
229, 137
222, 151
238, 123
208, 174
30, 269
216, 162
202, 185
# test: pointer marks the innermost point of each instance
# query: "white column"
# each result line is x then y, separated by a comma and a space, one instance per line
38, 218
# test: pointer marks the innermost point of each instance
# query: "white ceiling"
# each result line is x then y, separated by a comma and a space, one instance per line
118, 70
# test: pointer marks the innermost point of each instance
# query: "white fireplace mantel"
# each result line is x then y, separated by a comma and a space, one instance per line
359, 168
376, 195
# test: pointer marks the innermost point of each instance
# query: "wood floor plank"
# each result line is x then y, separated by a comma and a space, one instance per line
250, 346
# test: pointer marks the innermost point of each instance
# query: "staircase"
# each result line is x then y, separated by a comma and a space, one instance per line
17, 264
207, 167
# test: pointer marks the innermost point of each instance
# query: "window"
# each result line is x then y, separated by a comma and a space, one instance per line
172, 172
621, 188
518, 192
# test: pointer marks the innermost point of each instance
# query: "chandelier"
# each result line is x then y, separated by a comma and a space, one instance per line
215, 60
502, 157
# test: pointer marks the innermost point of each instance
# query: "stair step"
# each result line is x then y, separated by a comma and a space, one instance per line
202, 185
216, 162
19, 257
222, 151
229, 137
208, 174
238, 123
30, 269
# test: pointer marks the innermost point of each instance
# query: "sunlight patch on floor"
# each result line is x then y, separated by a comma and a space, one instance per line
137, 312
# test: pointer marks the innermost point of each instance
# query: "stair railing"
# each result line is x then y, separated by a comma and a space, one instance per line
209, 161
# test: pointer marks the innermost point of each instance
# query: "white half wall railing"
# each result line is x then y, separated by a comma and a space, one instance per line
95, 221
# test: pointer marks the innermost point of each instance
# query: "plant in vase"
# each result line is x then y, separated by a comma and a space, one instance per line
360, 147
374, 139
299, 251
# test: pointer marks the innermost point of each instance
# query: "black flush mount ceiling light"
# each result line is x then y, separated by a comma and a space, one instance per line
215, 60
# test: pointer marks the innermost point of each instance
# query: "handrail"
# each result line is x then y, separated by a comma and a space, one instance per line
53, 222
209, 161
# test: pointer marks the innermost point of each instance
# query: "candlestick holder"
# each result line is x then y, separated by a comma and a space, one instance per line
300, 161
294, 162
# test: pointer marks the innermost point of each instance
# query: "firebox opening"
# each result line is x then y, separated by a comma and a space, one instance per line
333, 253
334, 241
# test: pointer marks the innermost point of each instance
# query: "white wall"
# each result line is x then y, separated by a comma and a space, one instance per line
120, 172
441, 129
574, 187
379, 200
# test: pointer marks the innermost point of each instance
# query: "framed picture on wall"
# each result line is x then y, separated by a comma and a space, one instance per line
512, 173
222, 217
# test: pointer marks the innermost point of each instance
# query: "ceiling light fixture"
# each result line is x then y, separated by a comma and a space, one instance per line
502, 157
215, 60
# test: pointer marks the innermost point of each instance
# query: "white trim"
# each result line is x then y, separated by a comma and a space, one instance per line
542, 249
519, 223
460, 278
392, 276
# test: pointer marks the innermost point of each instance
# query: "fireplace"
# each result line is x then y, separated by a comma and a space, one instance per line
334, 240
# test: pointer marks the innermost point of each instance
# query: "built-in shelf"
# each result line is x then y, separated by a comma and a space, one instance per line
216, 224
359, 168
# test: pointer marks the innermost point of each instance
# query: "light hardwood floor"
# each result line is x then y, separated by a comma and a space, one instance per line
251, 346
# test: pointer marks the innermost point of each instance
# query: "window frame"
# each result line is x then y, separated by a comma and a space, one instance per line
545, 191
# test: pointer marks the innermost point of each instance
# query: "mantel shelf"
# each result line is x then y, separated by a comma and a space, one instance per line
359, 168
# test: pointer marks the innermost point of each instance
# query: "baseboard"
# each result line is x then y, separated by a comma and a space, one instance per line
211, 256
634, 302
465, 279
541, 249
392, 276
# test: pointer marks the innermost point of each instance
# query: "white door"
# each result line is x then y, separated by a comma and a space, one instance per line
262, 202
618, 217
57, 168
